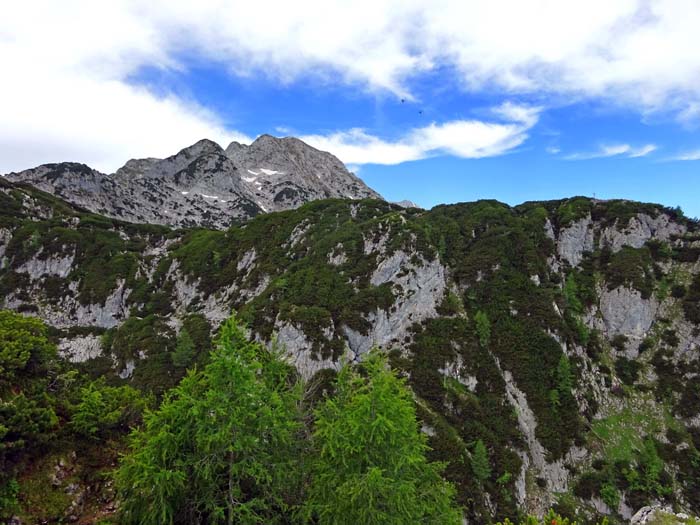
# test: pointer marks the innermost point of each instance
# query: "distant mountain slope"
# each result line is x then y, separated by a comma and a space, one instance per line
563, 335
204, 185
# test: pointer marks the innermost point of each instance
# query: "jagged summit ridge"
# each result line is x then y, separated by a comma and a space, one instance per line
203, 184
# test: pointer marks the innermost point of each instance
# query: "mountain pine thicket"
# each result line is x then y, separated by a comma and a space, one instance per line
562, 336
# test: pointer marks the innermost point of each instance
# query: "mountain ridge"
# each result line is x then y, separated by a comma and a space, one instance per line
539, 329
204, 185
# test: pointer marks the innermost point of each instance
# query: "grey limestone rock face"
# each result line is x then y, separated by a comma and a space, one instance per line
203, 184
81, 348
38, 266
5, 238
555, 475
298, 352
407, 204
420, 288
337, 256
67, 311
285, 173
625, 312
657, 514
574, 240
639, 230
457, 371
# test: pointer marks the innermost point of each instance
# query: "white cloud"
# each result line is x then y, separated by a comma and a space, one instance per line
614, 150
642, 151
462, 138
64, 94
688, 155
527, 115
635, 52
66, 65
101, 123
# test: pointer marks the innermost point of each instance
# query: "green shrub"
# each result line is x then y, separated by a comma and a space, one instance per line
550, 518
9, 490
627, 370
103, 410
184, 352
631, 267
619, 342
610, 495
678, 291
691, 302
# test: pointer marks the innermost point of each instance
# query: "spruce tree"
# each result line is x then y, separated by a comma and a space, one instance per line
480, 462
184, 350
371, 457
565, 381
483, 328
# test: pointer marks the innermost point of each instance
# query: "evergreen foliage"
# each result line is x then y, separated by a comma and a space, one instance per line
691, 303
550, 518
184, 350
509, 310
483, 328
25, 351
45, 404
219, 449
480, 462
27, 415
103, 410
371, 465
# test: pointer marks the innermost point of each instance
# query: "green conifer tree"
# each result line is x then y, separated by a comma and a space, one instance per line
483, 328
371, 465
219, 448
564, 379
184, 350
28, 361
480, 462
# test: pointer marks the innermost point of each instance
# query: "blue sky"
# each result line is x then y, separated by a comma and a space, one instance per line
434, 102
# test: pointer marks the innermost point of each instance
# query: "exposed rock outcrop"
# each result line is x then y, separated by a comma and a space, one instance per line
625, 312
419, 289
576, 239
204, 185
639, 230
449, 292
652, 515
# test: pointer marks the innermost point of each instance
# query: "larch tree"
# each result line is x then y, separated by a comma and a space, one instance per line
371, 462
220, 447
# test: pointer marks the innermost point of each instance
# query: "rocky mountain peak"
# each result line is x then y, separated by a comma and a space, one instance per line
201, 147
203, 184
234, 148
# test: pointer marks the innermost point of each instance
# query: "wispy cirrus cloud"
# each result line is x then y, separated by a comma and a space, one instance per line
614, 150
462, 138
688, 155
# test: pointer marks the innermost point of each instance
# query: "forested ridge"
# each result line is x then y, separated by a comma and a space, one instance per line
539, 356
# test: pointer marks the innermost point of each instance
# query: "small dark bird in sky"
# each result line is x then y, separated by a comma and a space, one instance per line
403, 100
420, 112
